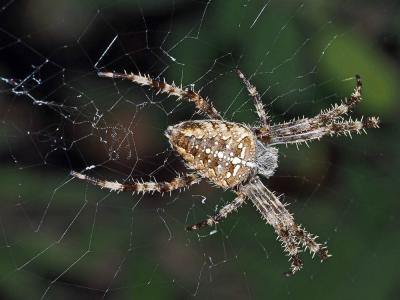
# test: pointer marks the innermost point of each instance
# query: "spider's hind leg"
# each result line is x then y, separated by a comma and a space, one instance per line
142, 187
309, 242
292, 236
220, 215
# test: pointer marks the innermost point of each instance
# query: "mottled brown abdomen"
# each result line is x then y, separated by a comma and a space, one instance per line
223, 152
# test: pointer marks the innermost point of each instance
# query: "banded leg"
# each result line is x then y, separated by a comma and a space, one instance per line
317, 132
222, 214
274, 213
308, 242
203, 105
325, 116
256, 98
327, 122
291, 235
142, 187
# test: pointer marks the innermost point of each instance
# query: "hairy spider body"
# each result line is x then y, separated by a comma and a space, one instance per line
224, 152
232, 155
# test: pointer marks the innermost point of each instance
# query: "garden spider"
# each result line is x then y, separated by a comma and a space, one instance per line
232, 155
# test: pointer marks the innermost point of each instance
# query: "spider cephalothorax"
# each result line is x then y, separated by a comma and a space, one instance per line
231, 155
224, 152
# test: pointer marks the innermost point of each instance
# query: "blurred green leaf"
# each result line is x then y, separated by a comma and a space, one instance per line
351, 54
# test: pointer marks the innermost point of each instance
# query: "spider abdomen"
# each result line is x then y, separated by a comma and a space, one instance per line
223, 152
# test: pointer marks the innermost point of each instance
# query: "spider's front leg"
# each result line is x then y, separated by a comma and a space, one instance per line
327, 122
203, 105
221, 214
262, 114
142, 187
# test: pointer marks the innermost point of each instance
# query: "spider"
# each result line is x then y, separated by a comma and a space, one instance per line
234, 155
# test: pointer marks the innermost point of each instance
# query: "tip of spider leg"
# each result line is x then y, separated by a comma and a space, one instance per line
293, 270
191, 228
371, 122
288, 274
78, 175
358, 81
239, 73
323, 254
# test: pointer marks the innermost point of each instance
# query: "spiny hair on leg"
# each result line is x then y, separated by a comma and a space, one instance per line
142, 187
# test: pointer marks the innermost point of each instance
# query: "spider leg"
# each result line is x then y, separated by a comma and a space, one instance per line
308, 242
142, 187
320, 130
220, 215
325, 116
262, 114
203, 105
291, 235
327, 122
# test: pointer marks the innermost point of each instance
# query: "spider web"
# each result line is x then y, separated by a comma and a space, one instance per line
62, 238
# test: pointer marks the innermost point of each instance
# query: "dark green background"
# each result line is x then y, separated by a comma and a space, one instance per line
63, 239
